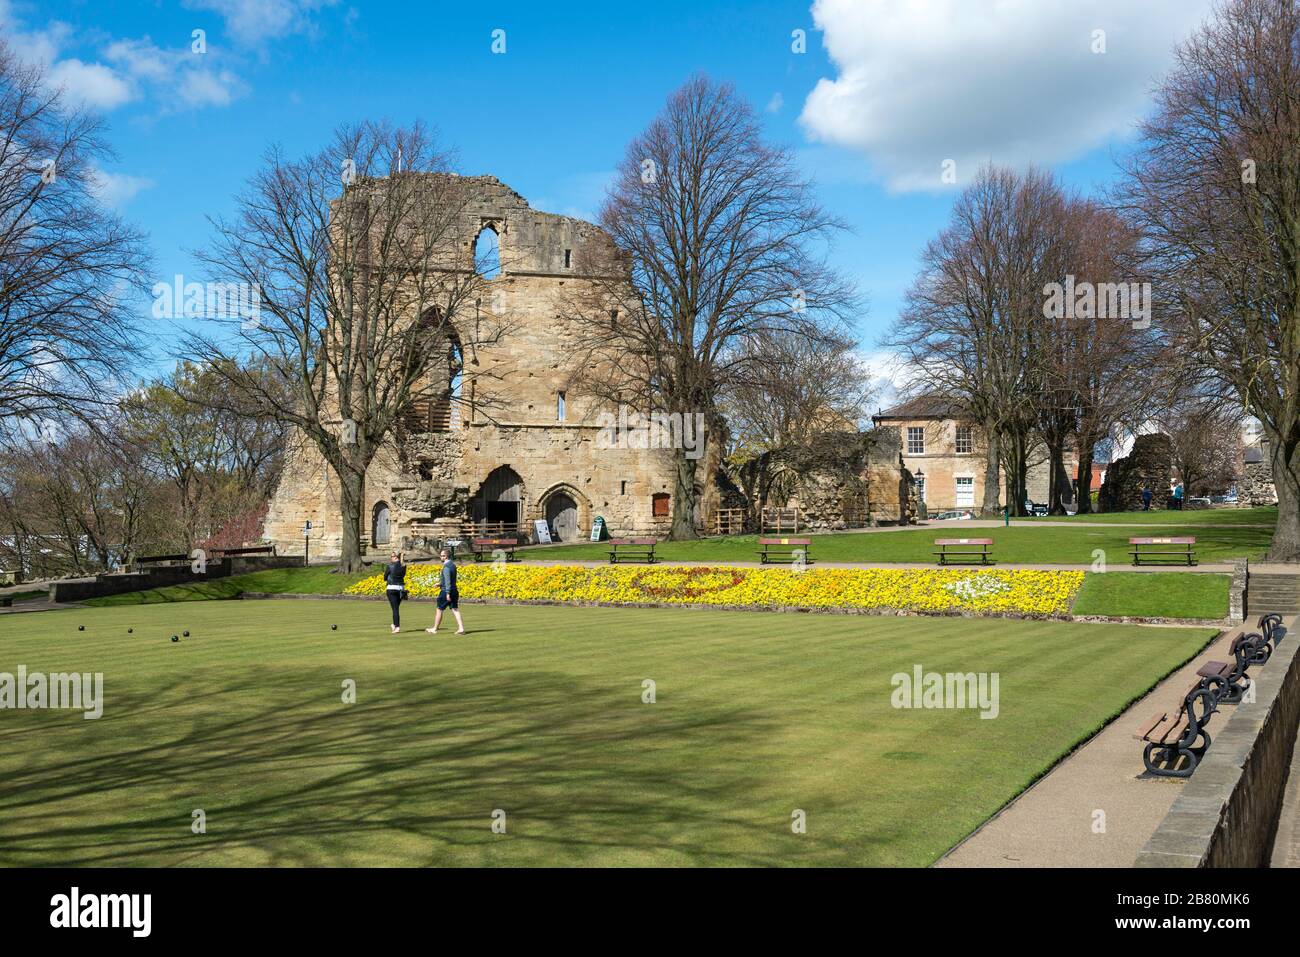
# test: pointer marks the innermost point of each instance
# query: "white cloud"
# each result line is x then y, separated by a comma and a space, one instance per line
181, 78
775, 103
253, 22
117, 189
130, 69
92, 84
888, 376
1013, 81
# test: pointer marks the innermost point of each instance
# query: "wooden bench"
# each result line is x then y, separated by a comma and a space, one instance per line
162, 559
1172, 739
784, 549
250, 550
632, 549
487, 548
964, 550
1159, 550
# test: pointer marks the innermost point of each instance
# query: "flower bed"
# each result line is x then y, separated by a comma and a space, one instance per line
935, 591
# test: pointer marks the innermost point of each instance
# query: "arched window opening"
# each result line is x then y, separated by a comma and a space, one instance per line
437, 407
487, 253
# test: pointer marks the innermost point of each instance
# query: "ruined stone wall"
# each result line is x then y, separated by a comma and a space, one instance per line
521, 353
846, 479
1255, 485
1150, 464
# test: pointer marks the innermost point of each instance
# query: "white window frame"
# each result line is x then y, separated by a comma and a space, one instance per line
916, 432
968, 433
958, 482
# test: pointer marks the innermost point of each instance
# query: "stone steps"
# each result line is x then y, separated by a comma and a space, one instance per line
1279, 593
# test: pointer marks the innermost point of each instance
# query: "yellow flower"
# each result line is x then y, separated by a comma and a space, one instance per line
987, 591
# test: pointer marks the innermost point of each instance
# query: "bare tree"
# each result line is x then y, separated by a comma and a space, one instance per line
973, 326
365, 286
1205, 438
1216, 195
66, 264
219, 464
719, 242
1101, 358
794, 389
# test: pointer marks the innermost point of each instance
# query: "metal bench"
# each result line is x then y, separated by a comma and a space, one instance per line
632, 549
963, 550
1156, 551
784, 549
1171, 739
1229, 680
1270, 626
487, 548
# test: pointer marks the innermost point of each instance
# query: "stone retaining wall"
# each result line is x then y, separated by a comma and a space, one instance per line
80, 589
1227, 813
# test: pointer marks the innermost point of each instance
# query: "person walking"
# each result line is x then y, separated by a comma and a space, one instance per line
395, 587
1146, 498
448, 596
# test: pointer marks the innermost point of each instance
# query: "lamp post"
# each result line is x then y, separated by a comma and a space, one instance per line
306, 544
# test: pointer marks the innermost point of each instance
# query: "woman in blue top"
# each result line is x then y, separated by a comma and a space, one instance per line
395, 587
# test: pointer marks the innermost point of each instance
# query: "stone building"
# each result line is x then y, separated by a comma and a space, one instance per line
525, 443
945, 453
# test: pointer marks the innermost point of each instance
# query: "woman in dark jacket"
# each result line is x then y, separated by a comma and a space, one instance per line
395, 582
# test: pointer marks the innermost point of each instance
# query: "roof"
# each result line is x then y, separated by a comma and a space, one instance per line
923, 407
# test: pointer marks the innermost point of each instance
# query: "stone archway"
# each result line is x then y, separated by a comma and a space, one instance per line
562, 516
567, 511
500, 498
381, 529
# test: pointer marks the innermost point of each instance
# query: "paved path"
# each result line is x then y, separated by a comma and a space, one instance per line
1052, 824
1209, 568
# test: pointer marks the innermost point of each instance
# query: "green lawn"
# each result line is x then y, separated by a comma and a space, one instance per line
1154, 595
538, 712
1203, 516
1020, 544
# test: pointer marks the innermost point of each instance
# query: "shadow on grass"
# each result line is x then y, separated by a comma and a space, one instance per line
584, 774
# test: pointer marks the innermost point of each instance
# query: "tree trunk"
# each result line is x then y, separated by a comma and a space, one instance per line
1084, 505
1286, 480
352, 493
1060, 479
684, 499
990, 508
1017, 481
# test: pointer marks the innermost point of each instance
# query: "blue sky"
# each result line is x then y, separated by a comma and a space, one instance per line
883, 92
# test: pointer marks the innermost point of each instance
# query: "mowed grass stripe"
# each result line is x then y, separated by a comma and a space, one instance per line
538, 713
